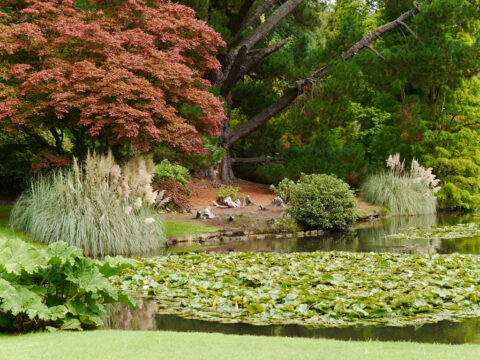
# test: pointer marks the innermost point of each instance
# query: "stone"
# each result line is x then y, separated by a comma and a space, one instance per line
229, 202
249, 201
208, 213
238, 202
231, 218
263, 208
278, 201
218, 205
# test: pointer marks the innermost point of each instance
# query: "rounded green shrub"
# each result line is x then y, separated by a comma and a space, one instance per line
171, 171
323, 202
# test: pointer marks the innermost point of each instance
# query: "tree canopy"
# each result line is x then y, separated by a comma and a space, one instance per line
107, 73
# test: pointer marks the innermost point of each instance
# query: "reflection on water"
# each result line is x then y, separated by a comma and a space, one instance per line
364, 238
367, 237
145, 318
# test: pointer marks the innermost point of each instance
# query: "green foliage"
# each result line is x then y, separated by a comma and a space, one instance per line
172, 179
56, 287
456, 156
171, 171
400, 194
15, 163
324, 289
212, 157
226, 191
323, 202
283, 189
95, 210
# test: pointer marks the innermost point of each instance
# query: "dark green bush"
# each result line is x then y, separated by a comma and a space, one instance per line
323, 202
54, 288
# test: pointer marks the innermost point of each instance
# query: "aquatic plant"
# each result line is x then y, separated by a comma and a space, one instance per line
458, 231
403, 192
56, 287
95, 207
327, 289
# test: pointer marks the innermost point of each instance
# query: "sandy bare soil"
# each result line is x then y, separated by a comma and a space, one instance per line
203, 192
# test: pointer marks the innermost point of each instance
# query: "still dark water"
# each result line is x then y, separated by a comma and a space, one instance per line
366, 237
145, 317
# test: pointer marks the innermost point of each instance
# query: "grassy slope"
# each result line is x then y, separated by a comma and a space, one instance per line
5, 230
179, 228
118, 345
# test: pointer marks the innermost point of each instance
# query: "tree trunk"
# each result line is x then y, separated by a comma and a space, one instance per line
226, 171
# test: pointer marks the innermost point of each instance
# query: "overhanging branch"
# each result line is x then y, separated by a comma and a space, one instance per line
261, 54
320, 74
262, 9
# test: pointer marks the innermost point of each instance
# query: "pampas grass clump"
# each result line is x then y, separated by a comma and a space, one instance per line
403, 192
399, 194
95, 207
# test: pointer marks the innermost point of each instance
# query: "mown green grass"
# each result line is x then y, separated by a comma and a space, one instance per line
8, 233
118, 345
180, 228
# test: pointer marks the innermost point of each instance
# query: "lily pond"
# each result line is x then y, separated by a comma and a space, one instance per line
414, 279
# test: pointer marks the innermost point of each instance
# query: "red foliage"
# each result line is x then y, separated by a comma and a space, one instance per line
177, 192
47, 160
130, 71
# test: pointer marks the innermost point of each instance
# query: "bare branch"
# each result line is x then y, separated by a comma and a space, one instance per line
410, 31
264, 160
282, 11
291, 94
234, 72
260, 55
262, 9
375, 52
242, 18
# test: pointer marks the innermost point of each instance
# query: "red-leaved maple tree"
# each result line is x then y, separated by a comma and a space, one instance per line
113, 71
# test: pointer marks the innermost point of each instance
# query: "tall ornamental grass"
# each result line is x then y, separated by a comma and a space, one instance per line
94, 207
403, 192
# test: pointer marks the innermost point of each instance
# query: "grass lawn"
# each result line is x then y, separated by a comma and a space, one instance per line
179, 228
8, 233
175, 345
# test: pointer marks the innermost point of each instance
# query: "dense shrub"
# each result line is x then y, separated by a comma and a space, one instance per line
323, 202
98, 208
229, 191
171, 171
173, 179
402, 192
56, 287
176, 195
283, 189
